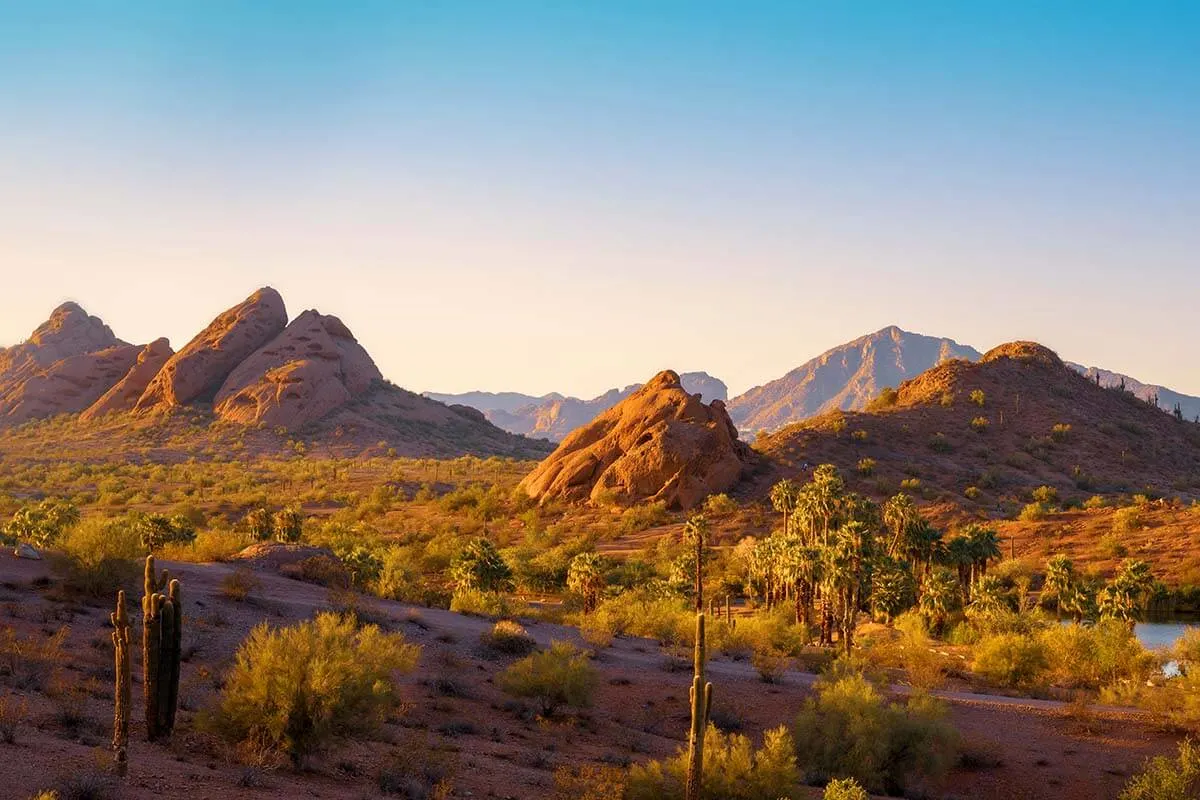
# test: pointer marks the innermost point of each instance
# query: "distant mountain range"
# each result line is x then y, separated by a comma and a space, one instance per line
553, 416
847, 377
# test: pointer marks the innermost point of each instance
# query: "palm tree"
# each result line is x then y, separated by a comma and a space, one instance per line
899, 513
1060, 578
960, 554
783, 499
986, 544
842, 565
1125, 595
990, 597
586, 578
940, 598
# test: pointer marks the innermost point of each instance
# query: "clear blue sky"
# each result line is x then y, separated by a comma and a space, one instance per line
570, 196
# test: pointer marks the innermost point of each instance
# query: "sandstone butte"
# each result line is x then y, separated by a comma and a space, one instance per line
313, 367
123, 395
660, 443
200, 368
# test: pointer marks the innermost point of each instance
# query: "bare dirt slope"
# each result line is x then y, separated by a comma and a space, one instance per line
456, 714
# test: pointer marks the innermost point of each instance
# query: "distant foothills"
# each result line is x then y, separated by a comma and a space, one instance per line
848, 377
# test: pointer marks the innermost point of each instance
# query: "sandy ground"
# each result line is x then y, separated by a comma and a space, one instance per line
453, 714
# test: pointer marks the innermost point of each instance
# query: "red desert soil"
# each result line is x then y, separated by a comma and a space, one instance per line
640, 709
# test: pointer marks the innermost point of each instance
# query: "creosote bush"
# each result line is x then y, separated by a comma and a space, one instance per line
299, 689
1166, 778
560, 676
733, 770
510, 638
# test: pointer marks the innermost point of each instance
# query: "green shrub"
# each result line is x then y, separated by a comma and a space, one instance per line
1032, 512
719, 504
1060, 432
481, 604
560, 676
99, 556
510, 638
1012, 659
1046, 495
980, 424
844, 789
1127, 520
977, 397
972, 493
1095, 501
848, 731
639, 518
733, 770
1166, 778
298, 689
887, 398
865, 467
911, 484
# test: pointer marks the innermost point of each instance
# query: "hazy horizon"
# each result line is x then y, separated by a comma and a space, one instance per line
518, 197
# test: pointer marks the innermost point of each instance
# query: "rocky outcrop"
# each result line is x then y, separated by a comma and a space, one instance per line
124, 395
67, 386
660, 443
312, 368
68, 362
197, 372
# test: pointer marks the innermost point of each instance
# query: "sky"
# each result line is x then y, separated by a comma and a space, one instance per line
549, 196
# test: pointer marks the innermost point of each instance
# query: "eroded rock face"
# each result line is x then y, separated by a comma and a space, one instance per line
124, 395
312, 368
660, 443
64, 366
67, 386
197, 372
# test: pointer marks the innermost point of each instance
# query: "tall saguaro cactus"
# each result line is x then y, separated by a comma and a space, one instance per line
122, 690
701, 696
162, 636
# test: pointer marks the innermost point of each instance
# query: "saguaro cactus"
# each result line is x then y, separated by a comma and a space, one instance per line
701, 696
122, 690
162, 636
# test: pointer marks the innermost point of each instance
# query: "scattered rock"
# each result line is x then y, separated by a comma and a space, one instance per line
273, 556
26, 550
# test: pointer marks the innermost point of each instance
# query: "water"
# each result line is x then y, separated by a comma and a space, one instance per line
1162, 636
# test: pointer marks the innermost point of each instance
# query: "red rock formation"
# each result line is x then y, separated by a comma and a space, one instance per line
197, 371
124, 395
660, 443
312, 368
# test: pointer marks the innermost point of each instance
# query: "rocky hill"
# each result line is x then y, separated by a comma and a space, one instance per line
846, 377
553, 416
660, 443
984, 434
310, 380
1166, 398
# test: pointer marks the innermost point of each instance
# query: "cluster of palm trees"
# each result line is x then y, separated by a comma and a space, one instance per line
841, 553
1080, 597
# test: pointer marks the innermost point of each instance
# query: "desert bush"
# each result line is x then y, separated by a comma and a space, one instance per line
509, 638
1046, 495
1127, 520
321, 570
417, 771
1166, 778
32, 662
978, 397
844, 789
239, 584
479, 566
940, 444
716, 504
648, 515
589, 782
301, 688
1012, 659
1096, 655
733, 770
911, 484
980, 424
1032, 512
1095, 501
865, 467
560, 676
972, 493
208, 546
13, 713
887, 398
848, 731
481, 604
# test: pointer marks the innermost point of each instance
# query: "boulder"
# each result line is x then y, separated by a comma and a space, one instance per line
310, 369
197, 372
660, 443
274, 556
28, 551
124, 395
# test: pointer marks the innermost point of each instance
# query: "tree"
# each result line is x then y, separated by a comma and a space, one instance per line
480, 566
586, 577
842, 566
940, 598
42, 524
259, 524
989, 598
158, 530
899, 514
1060, 579
1125, 595
783, 500
892, 589
985, 546
288, 524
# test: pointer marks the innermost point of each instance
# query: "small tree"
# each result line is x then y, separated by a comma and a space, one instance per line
259, 525
586, 577
480, 566
288, 524
42, 524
